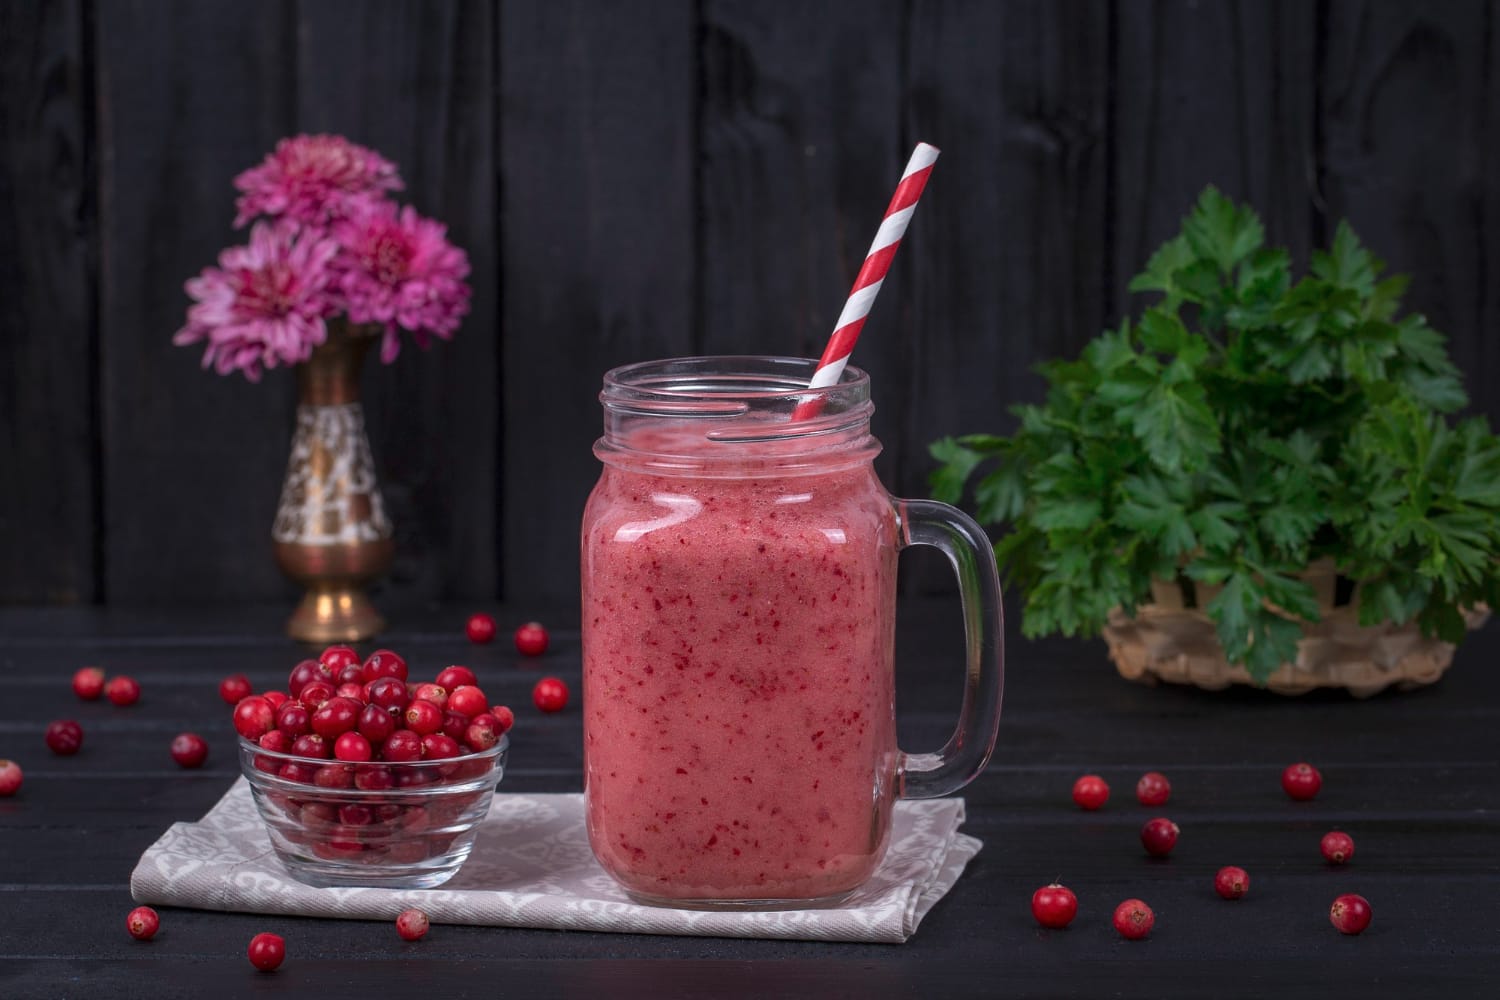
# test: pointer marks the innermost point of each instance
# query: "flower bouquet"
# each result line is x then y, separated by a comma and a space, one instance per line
332, 263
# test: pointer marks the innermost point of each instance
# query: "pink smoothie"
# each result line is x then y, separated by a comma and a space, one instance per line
739, 732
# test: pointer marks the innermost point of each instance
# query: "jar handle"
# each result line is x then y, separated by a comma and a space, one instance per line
928, 775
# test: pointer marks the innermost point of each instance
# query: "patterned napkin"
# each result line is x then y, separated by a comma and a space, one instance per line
532, 867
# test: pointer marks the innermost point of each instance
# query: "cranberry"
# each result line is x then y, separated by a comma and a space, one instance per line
468, 700
10, 778
1153, 789
294, 719
436, 746
401, 746
412, 924
352, 746
293, 771
1134, 919
1090, 792
482, 733
64, 737
277, 741
267, 952
305, 673
480, 628
253, 717
1301, 781
1054, 905
315, 693
531, 639
1338, 847
455, 676
550, 694
504, 716
122, 690
311, 745
388, 693
142, 923
384, 663
455, 725
235, 687
1232, 882
1350, 913
336, 658
351, 691
1159, 836
334, 776
423, 717
277, 699
88, 683
373, 779
191, 750
375, 723
354, 673
435, 693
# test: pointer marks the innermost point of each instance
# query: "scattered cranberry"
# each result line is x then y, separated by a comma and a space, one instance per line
550, 694
480, 629
1338, 847
504, 717
253, 717
336, 658
1153, 789
531, 639
1301, 781
190, 750
1134, 919
88, 683
1350, 913
267, 951
1090, 792
412, 924
351, 746
122, 690
1232, 882
1159, 836
10, 778
64, 737
384, 663
1054, 905
142, 923
235, 687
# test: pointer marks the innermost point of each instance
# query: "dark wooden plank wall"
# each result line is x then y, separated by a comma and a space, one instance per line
645, 180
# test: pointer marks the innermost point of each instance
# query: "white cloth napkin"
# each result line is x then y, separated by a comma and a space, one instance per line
532, 867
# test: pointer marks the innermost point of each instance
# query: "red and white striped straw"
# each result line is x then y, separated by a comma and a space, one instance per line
877, 264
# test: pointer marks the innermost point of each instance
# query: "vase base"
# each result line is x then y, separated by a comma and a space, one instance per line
334, 614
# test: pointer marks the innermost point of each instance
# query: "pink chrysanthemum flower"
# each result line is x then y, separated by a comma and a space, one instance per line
398, 269
314, 179
265, 303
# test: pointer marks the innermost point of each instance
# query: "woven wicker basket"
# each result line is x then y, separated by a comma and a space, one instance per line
1170, 641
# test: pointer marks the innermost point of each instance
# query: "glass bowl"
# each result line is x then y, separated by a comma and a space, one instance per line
395, 825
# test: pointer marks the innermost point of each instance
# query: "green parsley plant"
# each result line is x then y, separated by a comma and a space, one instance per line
1246, 425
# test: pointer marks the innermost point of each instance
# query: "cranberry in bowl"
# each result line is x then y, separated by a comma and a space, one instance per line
399, 824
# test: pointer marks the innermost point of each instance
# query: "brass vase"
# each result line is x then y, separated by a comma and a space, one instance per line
331, 533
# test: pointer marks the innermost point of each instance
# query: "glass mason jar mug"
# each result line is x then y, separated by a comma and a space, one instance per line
739, 592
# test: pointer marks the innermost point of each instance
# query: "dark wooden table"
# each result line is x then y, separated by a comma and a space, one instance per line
1412, 776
